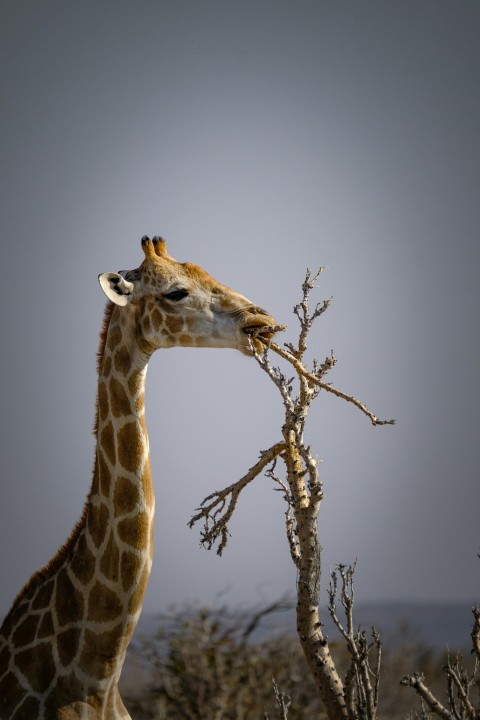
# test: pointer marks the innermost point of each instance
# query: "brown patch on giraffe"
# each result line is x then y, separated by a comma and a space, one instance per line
174, 323
135, 531
130, 567
67, 645
8, 623
130, 446
137, 596
107, 366
11, 693
119, 399
105, 475
109, 562
27, 710
103, 604
38, 665
99, 652
18, 610
122, 360
69, 603
185, 339
4, 657
139, 402
97, 522
66, 690
24, 633
103, 405
43, 596
46, 629
114, 337
83, 561
157, 317
125, 497
134, 383
107, 440
146, 324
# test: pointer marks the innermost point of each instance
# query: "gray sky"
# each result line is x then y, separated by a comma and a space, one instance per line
259, 138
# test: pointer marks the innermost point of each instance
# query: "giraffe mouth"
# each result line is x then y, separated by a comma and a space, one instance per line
259, 327
262, 333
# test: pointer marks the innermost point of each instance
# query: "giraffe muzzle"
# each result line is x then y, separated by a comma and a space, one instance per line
260, 328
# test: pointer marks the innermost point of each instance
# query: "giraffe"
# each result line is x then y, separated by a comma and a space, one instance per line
63, 642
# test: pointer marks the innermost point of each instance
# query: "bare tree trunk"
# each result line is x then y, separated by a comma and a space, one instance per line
306, 556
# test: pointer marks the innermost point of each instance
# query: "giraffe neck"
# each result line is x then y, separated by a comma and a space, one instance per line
63, 642
120, 507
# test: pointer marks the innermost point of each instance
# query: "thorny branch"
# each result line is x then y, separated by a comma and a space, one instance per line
356, 696
460, 683
316, 379
215, 515
416, 681
294, 354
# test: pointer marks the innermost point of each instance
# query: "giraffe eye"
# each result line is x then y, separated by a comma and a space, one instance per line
176, 295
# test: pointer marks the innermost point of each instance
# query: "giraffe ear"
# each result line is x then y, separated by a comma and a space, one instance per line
116, 288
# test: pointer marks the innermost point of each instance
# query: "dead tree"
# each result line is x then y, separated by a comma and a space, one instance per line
355, 696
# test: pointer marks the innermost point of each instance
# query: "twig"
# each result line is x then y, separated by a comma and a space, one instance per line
216, 521
327, 386
284, 603
476, 631
283, 700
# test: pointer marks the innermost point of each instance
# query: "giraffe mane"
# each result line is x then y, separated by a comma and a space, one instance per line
56, 561
107, 316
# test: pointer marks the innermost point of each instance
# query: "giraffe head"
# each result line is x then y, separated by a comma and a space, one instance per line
174, 303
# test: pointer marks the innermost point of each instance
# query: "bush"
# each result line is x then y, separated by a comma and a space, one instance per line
216, 664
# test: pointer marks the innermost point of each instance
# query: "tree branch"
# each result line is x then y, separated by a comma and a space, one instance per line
215, 516
476, 631
327, 386
415, 681
361, 695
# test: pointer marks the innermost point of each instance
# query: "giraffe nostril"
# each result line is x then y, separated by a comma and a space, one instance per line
255, 310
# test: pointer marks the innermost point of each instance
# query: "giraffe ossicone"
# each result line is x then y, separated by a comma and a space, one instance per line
63, 642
